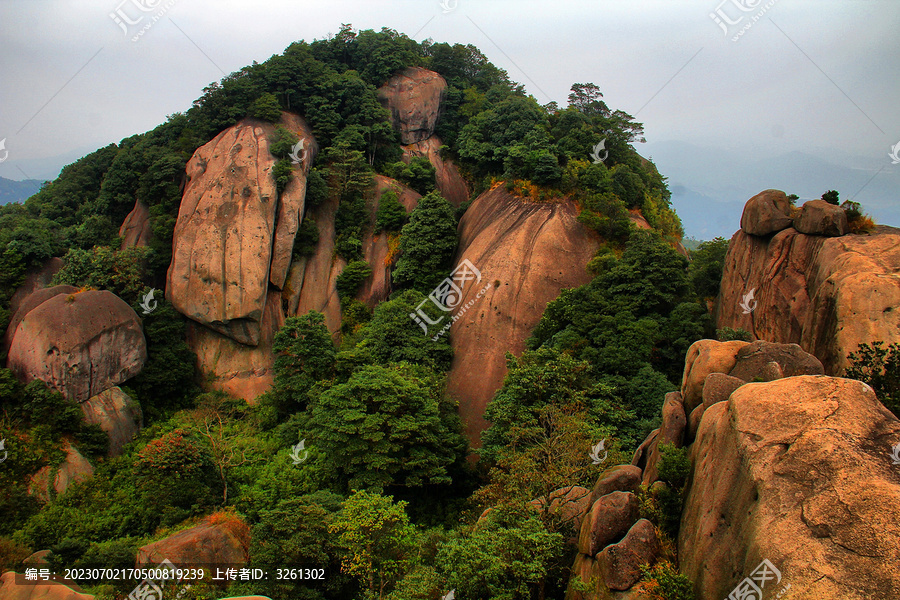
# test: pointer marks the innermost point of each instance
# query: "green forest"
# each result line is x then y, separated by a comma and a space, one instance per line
389, 499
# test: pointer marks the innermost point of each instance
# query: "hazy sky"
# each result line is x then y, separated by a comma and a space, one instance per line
815, 76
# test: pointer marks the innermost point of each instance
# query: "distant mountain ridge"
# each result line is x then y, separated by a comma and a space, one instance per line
710, 185
17, 191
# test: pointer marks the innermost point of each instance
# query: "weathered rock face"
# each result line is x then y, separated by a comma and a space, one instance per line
75, 468
796, 471
29, 302
80, 344
827, 294
752, 359
766, 213
207, 544
450, 182
135, 229
620, 478
705, 357
527, 253
414, 98
671, 432
818, 217
40, 590
376, 247
620, 564
234, 236
609, 518
567, 504
117, 414
239, 370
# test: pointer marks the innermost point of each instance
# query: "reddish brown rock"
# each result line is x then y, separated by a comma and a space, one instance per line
585, 569
620, 478
796, 471
671, 432
826, 294
377, 247
527, 253
818, 217
75, 468
312, 282
766, 213
705, 357
226, 247
12, 589
238, 370
693, 424
135, 229
642, 454
29, 302
117, 414
80, 344
753, 359
620, 564
414, 98
449, 181
609, 518
209, 544
718, 387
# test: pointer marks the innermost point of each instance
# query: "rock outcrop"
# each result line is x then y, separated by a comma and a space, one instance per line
80, 344
73, 469
818, 217
766, 213
827, 294
210, 544
36, 279
449, 181
28, 303
135, 229
234, 236
797, 472
13, 586
414, 98
117, 414
527, 253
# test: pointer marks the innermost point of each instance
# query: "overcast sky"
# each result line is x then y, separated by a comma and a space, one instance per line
820, 76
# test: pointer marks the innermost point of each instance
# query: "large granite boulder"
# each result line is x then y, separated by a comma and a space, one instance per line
827, 294
526, 252
607, 521
414, 98
78, 343
135, 229
795, 471
73, 469
14, 587
117, 414
818, 217
766, 213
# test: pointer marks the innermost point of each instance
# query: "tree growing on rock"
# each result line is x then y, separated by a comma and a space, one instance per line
427, 244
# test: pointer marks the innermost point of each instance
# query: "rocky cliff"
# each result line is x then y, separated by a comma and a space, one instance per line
824, 290
527, 252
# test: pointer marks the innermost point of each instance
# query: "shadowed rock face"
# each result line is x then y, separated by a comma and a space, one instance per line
450, 182
206, 544
135, 229
234, 236
79, 344
796, 471
414, 98
827, 294
527, 253
75, 468
117, 414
